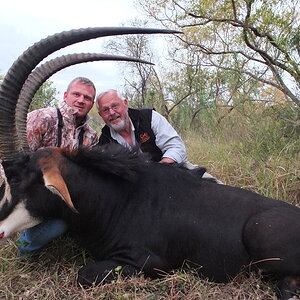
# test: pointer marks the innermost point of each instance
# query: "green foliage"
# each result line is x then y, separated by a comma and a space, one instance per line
254, 38
273, 132
95, 121
44, 97
256, 147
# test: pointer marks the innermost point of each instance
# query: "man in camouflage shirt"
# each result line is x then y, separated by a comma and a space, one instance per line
42, 124
66, 126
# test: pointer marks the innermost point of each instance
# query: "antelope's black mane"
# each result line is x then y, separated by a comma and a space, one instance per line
122, 162
111, 158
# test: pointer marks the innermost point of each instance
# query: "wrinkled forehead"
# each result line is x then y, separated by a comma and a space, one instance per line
110, 98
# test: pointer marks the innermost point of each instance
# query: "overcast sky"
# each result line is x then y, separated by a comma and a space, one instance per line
24, 22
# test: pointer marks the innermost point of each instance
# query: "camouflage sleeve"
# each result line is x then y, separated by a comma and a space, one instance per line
38, 123
90, 136
94, 140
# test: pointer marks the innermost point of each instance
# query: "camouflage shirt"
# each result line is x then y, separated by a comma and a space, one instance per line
42, 126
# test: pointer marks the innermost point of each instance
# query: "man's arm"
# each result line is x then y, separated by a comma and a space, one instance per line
167, 139
95, 140
38, 123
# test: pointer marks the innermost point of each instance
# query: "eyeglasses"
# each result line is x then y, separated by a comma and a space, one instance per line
114, 107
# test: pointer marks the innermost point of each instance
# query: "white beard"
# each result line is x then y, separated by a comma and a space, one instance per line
118, 127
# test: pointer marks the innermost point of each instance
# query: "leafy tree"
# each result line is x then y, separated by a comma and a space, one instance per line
256, 38
45, 96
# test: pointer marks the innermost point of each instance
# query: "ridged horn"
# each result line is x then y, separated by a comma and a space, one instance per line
16, 76
41, 73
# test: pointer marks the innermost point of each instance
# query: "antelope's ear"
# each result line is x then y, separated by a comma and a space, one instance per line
56, 184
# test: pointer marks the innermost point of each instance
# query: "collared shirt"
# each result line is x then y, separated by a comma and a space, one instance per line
166, 138
42, 128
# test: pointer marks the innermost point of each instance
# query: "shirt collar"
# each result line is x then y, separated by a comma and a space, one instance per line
69, 113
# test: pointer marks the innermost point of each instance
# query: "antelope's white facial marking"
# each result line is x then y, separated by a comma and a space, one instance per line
18, 220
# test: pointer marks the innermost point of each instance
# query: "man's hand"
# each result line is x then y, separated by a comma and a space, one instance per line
167, 160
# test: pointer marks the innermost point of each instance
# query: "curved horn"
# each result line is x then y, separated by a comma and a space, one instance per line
40, 74
22, 67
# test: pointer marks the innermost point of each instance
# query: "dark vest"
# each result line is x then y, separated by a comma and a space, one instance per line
145, 138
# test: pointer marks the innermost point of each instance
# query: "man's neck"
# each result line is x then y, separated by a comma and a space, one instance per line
126, 134
79, 120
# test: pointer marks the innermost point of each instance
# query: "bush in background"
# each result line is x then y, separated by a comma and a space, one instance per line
257, 149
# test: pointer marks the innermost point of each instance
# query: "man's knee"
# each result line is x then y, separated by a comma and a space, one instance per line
35, 238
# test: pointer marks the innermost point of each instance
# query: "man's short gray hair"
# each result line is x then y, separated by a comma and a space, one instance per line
106, 92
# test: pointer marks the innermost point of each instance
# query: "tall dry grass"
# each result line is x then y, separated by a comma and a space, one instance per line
278, 176
257, 150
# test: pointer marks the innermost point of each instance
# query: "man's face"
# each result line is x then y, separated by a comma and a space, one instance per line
114, 111
81, 97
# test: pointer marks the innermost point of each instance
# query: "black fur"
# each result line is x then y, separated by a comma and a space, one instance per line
152, 217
